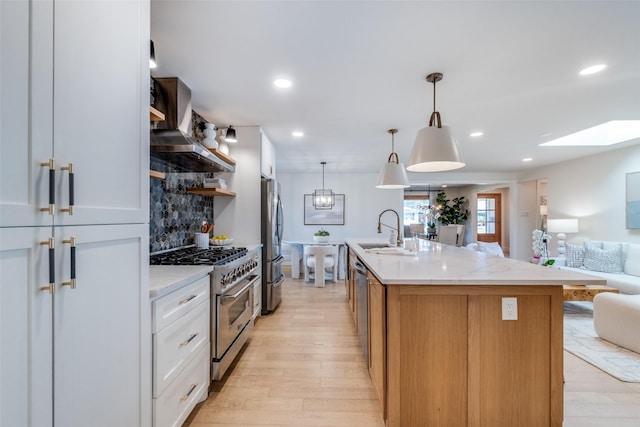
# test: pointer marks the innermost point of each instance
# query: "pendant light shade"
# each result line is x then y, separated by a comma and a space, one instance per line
435, 148
152, 56
393, 174
323, 199
231, 135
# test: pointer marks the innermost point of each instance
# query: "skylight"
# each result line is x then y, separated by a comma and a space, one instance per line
613, 132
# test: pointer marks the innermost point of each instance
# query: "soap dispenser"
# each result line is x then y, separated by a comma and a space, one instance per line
393, 238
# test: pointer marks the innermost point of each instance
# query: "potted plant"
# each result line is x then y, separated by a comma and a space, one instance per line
454, 213
431, 227
321, 236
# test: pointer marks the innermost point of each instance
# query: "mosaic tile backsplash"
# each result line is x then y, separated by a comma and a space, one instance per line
175, 215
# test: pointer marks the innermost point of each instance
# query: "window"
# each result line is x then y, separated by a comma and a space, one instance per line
486, 215
412, 214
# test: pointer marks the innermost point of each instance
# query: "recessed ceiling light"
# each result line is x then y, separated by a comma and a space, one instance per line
609, 133
444, 186
475, 134
297, 133
593, 69
546, 135
527, 159
282, 83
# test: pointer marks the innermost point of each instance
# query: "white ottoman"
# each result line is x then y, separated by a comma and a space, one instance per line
616, 318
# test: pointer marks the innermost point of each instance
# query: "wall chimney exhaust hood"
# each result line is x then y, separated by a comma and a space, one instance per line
172, 140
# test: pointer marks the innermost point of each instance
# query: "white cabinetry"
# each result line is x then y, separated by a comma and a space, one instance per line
74, 352
181, 352
267, 157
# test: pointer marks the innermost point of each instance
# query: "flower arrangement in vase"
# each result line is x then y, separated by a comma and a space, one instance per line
321, 236
540, 249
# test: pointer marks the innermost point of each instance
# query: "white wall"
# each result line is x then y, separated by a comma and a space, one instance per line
591, 189
363, 204
239, 216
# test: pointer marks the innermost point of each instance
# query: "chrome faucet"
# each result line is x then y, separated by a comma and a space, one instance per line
380, 224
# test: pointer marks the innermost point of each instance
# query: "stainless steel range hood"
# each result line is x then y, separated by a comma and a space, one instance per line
172, 141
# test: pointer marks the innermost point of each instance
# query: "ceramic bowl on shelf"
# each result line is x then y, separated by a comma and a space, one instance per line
321, 239
221, 242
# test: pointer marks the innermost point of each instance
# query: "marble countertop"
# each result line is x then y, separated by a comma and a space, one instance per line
439, 264
164, 279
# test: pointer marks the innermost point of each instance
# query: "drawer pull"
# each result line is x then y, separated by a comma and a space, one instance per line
72, 280
188, 341
69, 168
186, 300
52, 258
52, 186
193, 387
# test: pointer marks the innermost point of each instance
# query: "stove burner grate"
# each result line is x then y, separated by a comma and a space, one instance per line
195, 256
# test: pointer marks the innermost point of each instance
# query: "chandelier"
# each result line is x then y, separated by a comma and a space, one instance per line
323, 199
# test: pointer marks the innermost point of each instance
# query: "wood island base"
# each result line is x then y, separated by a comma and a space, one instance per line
442, 355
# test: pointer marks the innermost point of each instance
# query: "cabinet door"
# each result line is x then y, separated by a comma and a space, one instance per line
101, 110
378, 340
267, 157
25, 328
102, 327
25, 111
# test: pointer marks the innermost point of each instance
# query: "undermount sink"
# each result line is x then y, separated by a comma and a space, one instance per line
373, 245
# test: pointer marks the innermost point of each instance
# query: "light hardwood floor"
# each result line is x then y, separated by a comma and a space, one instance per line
303, 367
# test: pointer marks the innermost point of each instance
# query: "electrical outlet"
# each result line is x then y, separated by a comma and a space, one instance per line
510, 308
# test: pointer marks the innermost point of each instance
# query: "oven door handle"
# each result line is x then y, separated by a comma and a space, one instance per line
241, 291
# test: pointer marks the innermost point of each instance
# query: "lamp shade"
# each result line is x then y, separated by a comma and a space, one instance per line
152, 56
435, 150
393, 175
562, 225
231, 135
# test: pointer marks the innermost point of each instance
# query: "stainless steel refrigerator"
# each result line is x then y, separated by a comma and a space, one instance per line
272, 228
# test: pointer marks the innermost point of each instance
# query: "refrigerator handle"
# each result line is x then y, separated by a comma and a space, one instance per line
279, 220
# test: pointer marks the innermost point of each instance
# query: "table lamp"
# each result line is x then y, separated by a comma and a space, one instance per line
562, 226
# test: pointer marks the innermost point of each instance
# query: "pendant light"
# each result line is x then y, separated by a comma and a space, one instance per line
323, 199
393, 174
231, 135
435, 148
152, 56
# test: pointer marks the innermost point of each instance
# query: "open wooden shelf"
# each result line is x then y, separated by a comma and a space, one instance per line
156, 174
155, 115
211, 191
222, 156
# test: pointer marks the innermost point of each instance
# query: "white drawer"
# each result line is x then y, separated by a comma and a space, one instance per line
177, 344
168, 308
178, 400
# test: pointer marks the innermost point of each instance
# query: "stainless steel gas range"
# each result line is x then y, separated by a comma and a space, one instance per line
235, 272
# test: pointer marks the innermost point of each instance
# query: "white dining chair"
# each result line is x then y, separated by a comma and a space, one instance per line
451, 234
291, 253
318, 260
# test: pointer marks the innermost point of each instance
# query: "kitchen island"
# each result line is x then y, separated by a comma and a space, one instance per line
440, 352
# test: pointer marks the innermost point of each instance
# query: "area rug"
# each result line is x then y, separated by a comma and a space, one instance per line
581, 340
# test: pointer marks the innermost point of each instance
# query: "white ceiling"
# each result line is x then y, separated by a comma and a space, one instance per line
358, 68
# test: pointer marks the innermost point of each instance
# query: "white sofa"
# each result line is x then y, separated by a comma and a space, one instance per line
627, 281
616, 318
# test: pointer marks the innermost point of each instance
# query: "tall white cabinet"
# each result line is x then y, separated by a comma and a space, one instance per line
74, 128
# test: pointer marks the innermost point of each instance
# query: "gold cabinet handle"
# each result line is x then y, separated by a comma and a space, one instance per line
185, 397
186, 300
72, 281
188, 341
69, 168
52, 273
52, 186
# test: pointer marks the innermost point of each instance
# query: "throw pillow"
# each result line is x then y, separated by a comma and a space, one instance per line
604, 260
632, 263
575, 255
491, 248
